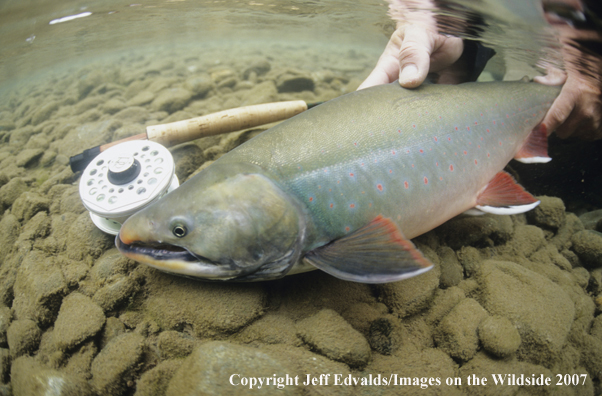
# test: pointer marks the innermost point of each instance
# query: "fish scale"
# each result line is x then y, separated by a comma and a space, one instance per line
413, 151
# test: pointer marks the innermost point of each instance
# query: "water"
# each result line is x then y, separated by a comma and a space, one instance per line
74, 312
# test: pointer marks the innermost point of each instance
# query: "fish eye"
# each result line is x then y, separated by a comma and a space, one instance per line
179, 231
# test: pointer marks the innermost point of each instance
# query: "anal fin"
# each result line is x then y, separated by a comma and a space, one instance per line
503, 195
375, 253
535, 148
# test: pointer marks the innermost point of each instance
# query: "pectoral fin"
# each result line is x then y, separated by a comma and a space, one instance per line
503, 196
375, 253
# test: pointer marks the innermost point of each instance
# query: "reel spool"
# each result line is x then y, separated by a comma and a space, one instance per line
125, 179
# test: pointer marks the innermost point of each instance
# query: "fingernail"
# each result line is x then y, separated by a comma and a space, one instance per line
408, 74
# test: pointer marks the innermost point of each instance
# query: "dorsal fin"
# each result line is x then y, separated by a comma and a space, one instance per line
375, 253
503, 195
535, 148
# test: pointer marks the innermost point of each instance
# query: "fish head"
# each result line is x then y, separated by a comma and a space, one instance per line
229, 222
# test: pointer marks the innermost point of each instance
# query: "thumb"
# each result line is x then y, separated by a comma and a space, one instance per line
414, 57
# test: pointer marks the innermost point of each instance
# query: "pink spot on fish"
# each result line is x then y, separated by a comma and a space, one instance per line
351, 174
331, 205
426, 181
311, 199
451, 168
468, 128
406, 184
352, 206
379, 187
475, 162
436, 139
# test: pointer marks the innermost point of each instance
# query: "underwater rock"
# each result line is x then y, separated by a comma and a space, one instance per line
322, 332
171, 100
9, 232
111, 295
498, 336
117, 364
549, 213
5, 318
154, 382
23, 337
81, 359
45, 111
412, 295
11, 191
89, 81
452, 272
141, 99
259, 67
5, 361
485, 230
591, 219
173, 344
199, 85
271, 329
28, 204
416, 365
28, 157
264, 92
113, 105
39, 289
294, 82
540, 309
113, 327
206, 307
443, 303
85, 239
187, 157
562, 239
588, 246
456, 333
528, 239
384, 335
78, 319
217, 359
36, 228
29, 378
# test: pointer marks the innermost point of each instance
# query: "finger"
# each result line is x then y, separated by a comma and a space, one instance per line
414, 56
554, 77
446, 52
560, 111
385, 71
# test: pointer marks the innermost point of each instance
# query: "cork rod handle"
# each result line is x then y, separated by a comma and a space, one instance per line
223, 122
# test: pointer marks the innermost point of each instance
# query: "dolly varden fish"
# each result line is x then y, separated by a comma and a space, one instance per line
344, 186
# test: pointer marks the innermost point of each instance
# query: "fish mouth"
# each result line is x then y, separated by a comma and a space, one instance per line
176, 260
180, 261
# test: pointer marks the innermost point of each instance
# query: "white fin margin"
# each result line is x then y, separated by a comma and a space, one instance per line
534, 160
508, 210
474, 212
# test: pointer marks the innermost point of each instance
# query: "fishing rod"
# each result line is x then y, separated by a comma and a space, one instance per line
225, 121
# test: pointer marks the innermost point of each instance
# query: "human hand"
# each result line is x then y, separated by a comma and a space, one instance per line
413, 51
577, 111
